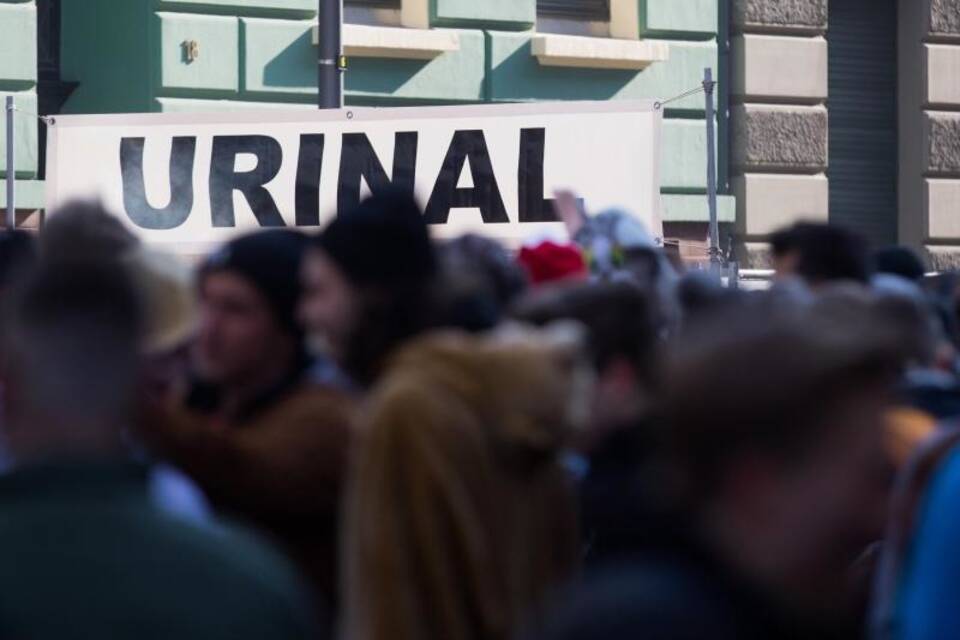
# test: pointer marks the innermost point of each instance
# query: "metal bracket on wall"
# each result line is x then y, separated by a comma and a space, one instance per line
191, 51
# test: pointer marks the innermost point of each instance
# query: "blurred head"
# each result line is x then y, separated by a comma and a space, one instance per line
84, 230
480, 282
248, 293
775, 421
820, 253
18, 255
899, 261
489, 260
618, 245
368, 282
166, 288
622, 330
700, 295
911, 316
331, 304
71, 347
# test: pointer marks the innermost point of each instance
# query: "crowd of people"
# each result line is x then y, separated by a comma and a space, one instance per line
362, 433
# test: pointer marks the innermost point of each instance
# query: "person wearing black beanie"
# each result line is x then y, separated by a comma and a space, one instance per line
259, 437
369, 283
249, 343
383, 242
270, 262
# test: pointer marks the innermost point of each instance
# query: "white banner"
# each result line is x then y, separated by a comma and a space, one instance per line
191, 180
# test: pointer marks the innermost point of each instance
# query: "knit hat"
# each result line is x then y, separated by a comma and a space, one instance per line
270, 261
382, 242
551, 262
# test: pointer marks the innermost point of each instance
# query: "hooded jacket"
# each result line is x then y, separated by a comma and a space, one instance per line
459, 517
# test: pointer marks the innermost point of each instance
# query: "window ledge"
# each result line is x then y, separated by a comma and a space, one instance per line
366, 41
597, 53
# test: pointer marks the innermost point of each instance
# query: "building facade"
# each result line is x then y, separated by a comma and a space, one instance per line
192, 55
847, 111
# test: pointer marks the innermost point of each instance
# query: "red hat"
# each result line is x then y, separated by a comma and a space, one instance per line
551, 262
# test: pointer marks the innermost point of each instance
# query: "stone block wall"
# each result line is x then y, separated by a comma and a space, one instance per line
779, 135
929, 182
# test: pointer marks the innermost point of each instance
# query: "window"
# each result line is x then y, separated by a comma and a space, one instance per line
374, 4
591, 10
372, 12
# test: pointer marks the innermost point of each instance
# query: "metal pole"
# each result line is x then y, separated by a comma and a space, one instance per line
708, 86
11, 206
331, 53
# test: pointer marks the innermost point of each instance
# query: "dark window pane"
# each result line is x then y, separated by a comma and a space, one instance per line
578, 9
374, 4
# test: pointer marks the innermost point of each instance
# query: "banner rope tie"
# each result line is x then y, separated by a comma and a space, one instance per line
47, 120
686, 94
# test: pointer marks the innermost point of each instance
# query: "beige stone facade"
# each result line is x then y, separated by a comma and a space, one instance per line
929, 102
780, 121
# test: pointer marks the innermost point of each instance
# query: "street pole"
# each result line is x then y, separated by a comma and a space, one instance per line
714, 240
331, 53
11, 206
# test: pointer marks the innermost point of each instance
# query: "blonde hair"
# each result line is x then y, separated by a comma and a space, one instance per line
459, 517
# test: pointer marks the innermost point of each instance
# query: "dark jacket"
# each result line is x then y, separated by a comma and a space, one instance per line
279, 466
672, 589
616, 501
84, 554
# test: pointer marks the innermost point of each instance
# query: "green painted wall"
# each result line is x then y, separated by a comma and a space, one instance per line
684, 152
278, 58
106, 48
687, 19
18, 42
18, 76
515, 75
25, 133
217, 67
497, 14
458, 76
129, 56
306, 7
693, 208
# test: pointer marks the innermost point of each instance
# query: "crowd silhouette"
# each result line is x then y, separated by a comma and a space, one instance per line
363, 433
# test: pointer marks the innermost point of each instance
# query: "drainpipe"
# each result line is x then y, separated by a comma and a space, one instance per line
723, 97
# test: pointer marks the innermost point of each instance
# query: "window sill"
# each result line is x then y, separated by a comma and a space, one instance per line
597, 53
366, 41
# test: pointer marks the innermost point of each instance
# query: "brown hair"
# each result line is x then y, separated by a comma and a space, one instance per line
765, 378
621, 318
